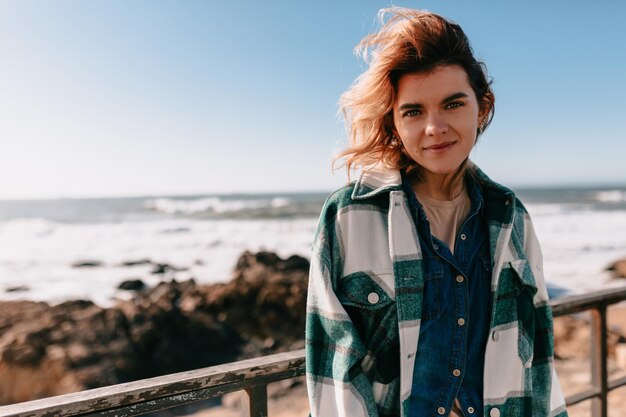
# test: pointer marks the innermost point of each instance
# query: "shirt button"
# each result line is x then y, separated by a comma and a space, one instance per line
456, 372
494, 412
436, 246
463, 237
470, 410
441, 411
461, 321
373, 298
459, 278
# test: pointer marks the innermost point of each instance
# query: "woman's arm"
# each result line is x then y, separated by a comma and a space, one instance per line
547, 395
337, 385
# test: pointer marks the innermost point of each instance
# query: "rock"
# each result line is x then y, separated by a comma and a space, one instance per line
88, 346
265, 300
618, 268
132, 285
572, 335
296, 263
176, 326
87, 264
18, 288
160, 269
138, 262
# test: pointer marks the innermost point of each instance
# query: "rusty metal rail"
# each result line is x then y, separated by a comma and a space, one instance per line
253, 375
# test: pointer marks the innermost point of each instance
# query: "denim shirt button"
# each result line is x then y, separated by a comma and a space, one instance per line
373, 298
470, 410
441, 411
463, 236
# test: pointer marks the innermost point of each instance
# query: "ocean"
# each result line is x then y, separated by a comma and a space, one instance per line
581, 230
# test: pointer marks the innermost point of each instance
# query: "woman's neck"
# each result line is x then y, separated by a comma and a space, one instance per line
439, 187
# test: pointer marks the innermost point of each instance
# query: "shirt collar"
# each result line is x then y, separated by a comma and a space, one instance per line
376, 180
379, 179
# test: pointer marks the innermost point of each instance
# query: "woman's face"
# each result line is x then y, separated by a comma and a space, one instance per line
436, 116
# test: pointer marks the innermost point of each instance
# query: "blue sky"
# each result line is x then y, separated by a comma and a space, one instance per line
116, 98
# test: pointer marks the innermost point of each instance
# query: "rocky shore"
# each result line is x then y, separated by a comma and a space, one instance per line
50, 350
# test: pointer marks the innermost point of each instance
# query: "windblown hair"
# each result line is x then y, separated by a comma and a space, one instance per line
409, 41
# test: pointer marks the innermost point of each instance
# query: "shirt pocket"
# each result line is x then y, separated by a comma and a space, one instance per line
360, 290
433, 280
374, 315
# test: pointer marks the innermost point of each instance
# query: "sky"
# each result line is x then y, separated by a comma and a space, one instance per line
120, 98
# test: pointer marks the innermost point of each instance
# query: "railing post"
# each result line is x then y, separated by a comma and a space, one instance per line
256, 406
599, 351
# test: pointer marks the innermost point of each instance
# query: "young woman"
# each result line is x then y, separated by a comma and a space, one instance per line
426, 291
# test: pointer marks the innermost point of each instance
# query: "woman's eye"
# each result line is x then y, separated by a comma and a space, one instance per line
411, 113
455, 105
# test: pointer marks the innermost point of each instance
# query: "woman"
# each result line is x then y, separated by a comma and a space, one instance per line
426, 292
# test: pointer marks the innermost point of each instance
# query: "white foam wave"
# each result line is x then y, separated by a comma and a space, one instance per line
34, 227
545, 209
214, 205
611, 196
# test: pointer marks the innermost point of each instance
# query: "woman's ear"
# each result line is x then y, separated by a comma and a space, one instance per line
485, 107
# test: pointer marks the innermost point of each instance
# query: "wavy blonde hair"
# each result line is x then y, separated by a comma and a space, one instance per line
409, 41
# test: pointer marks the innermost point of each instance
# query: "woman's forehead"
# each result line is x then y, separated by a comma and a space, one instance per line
436, 84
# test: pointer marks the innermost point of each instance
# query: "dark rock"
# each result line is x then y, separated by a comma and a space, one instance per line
132, 285
138, 262
173, 327
160, 269
618, 268
295, 263
19, 288
87, 264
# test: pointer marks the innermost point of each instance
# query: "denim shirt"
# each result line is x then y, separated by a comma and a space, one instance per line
450, 357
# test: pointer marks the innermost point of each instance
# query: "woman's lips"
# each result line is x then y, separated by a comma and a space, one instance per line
440, 147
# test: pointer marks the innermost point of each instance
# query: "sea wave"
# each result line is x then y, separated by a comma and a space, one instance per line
213, 205
27, 227
611, 196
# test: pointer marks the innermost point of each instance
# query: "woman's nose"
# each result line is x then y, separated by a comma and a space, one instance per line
436, 125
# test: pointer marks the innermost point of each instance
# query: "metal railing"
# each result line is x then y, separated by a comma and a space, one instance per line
253, 375
597, 303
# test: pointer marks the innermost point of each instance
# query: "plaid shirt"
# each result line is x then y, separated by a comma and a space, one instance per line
365, 303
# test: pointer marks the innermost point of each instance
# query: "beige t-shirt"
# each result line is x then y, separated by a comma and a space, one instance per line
446, 217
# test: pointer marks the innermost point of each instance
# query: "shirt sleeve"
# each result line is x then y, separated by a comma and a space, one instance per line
548, 397
336, 382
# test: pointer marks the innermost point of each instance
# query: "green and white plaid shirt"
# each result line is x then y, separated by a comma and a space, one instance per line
365, 299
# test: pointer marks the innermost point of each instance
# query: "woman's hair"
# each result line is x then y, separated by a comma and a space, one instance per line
409, 41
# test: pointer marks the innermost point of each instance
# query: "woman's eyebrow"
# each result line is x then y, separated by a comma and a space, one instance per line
417, 106
453, 97
410, 106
